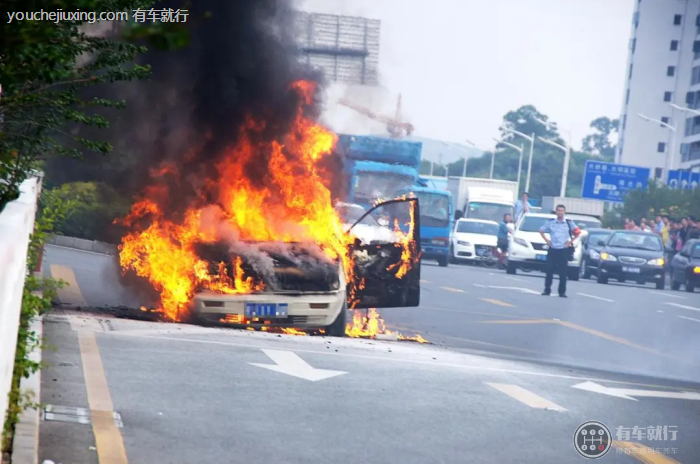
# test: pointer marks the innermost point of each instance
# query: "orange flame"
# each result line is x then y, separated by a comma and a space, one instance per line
371, 325
292, 203
282, 208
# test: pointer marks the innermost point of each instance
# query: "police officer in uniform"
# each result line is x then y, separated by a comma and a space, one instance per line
560, 242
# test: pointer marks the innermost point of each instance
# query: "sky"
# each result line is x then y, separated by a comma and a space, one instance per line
461, 65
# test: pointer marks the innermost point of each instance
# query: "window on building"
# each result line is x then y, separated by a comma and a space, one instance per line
624, 121
674, 45
693, 152
630, 74
661, 147
658, 172
633, 44
667, 96
627, 97
695, 75
677, 20
685, 151
665, 119
671, 71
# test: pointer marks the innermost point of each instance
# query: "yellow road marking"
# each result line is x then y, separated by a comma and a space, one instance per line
643, 453
496, 302
455, 290
521, 321
108, 438
70, 294
525, 396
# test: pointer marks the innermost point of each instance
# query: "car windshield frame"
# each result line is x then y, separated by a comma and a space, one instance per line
585, 224
347, 219
480, 228
696, 251
594, 241
492, 211
644, 236
525, 220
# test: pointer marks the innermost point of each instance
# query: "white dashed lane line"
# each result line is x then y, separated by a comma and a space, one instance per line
596, 297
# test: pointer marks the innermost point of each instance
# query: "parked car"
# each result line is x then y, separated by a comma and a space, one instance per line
527, 249
632, 255
591, 250
685, 267
472, 239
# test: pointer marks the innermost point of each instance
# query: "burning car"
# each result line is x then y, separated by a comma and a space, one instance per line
257, 240
302, 288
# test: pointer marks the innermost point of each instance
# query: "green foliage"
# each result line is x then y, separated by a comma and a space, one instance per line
93, 208
659, 199
547, 161
599, 143
44, 66
37, 295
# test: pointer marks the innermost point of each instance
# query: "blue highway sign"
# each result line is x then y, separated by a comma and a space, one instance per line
683, 179
610, 182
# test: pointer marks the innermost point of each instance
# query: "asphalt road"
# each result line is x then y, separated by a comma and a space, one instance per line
509, 378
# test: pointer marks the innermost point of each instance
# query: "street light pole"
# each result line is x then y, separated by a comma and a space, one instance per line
464, 164
520, 150
567, 152
531, 139
669, 156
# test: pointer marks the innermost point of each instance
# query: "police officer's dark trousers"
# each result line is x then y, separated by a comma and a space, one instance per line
557, 262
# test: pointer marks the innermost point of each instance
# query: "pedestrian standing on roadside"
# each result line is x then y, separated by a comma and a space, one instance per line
522, 206
561, 247
503, 233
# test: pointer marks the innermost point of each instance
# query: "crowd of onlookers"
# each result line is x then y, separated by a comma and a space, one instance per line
673, 232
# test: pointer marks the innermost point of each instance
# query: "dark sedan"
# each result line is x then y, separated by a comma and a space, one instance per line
591, 250
631, 255
685, 267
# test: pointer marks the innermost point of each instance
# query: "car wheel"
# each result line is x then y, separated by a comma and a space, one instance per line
661, 283
511, 268
574, 274
453, 258
337, 328
689, 287
675, 285
444, 261
602, 279
585, 271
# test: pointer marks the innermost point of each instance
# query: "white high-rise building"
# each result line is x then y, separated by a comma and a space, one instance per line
663, 69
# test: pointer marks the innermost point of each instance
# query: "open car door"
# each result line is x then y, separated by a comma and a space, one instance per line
386, 256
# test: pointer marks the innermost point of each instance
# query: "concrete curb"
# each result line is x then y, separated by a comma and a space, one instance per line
25, 444
82, 244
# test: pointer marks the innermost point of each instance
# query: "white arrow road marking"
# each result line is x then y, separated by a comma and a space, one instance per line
451, 289
629, 393
596, 297
683, 306
689, 318
525, 396
480, 285
287, 362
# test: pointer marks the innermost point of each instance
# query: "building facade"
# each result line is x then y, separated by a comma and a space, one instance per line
662, 86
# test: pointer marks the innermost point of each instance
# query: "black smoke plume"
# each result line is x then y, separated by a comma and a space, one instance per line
240, 62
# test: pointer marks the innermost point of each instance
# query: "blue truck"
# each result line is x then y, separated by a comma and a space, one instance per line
383, 168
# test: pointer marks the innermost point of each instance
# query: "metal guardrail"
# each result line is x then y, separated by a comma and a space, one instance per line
16, 225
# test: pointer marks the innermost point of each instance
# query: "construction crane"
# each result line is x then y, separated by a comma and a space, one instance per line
395, 126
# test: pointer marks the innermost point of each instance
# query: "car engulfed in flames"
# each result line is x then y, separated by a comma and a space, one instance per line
271, 251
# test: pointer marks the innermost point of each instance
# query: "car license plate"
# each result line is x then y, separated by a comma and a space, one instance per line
631, 270
541, 257
266, 310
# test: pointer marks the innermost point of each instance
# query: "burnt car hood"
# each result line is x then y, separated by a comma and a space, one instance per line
633, 253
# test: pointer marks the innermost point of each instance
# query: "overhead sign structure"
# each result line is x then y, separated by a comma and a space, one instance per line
611, 182
678, 179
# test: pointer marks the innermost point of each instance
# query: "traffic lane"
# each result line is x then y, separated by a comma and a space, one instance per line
597, 334
628, 298
429, 419
96, 277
